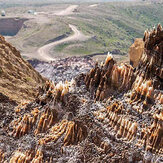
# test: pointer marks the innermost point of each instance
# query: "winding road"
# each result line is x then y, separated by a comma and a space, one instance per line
44, 51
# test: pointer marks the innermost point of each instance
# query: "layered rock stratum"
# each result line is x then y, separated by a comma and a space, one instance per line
18, 79
112, 113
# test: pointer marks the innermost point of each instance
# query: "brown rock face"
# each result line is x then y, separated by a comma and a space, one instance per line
109, 79
136, 51
18, 80
148, 84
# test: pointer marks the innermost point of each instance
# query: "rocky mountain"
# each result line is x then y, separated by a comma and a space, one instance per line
18, 79
112, 113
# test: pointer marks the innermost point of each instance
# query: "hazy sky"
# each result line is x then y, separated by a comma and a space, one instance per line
9, 3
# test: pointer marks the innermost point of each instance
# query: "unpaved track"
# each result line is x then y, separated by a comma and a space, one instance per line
69, 10
43, 52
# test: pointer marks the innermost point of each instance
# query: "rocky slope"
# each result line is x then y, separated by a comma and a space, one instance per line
18, 79
113, 113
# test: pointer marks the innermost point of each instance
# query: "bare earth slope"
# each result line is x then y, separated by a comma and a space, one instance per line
18, 79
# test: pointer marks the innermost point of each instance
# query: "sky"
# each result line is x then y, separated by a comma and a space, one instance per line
22, 1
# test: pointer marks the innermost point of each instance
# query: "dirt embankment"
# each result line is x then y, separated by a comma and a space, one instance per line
19, 80
11, 26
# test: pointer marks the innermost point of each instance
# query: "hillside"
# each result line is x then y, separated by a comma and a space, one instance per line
111, 113
18, 79
109, 26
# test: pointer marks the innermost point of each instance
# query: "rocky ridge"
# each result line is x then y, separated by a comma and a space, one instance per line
18, 79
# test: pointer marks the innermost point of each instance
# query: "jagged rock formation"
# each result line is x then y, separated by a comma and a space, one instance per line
42, 120
136, 51
149, 81
111, 114
109, 79
129, 130
146, 91
74, 132
18, 79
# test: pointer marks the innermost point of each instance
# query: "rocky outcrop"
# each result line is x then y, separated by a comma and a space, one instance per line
136, 51
29, 156
148, 84
144, 88
19, 80
109, 78
145, 83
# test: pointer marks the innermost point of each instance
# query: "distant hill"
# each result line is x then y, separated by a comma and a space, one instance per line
19, 2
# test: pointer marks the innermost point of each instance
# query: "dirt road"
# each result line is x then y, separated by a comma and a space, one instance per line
43, 52
69, 10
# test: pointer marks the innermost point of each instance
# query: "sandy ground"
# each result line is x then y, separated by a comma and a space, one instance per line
43, 52
44, 17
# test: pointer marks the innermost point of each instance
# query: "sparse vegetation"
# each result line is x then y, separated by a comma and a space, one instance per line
115, 25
